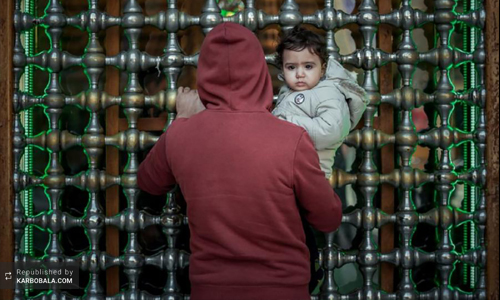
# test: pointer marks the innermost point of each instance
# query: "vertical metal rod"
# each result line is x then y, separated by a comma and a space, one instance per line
27, 162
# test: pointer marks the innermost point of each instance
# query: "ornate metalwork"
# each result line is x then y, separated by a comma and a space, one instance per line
441, 139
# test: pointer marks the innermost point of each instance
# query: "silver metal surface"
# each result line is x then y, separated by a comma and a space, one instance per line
442, 138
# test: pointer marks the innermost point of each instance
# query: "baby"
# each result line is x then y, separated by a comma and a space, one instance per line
325, 100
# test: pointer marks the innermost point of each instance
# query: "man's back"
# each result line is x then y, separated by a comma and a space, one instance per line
235, 171
242, 172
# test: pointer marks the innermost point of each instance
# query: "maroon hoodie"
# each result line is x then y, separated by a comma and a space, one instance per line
243, 173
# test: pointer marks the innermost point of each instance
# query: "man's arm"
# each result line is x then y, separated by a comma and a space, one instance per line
323, 208
154, 175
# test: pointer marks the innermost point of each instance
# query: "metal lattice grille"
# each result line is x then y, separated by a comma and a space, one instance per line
441, 139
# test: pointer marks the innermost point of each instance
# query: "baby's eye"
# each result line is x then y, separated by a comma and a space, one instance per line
309, 67
290, 68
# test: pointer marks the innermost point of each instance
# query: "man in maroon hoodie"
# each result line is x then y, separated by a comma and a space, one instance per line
244, 174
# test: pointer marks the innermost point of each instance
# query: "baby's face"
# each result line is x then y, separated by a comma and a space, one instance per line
302, 69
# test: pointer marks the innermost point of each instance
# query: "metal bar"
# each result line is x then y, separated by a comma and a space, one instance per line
27, 116
442, 138
147, 124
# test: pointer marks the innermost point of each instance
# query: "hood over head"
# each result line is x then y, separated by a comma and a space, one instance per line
232, 71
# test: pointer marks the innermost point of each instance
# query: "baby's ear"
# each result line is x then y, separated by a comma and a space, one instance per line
323, 69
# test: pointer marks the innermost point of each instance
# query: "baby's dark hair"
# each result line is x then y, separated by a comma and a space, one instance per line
300, 38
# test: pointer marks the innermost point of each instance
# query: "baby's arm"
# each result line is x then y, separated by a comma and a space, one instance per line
329, 126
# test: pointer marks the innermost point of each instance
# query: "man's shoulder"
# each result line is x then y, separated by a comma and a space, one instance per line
285, 127
269, 121
176, 127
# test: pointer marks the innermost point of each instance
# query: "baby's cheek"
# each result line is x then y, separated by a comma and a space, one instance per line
289, 79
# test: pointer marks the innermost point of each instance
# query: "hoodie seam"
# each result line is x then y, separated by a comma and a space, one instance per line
229, 69
169, 159
294, 157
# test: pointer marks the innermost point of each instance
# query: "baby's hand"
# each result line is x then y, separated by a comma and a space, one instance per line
187, 102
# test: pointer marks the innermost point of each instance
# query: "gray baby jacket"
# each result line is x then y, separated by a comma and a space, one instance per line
328, 112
